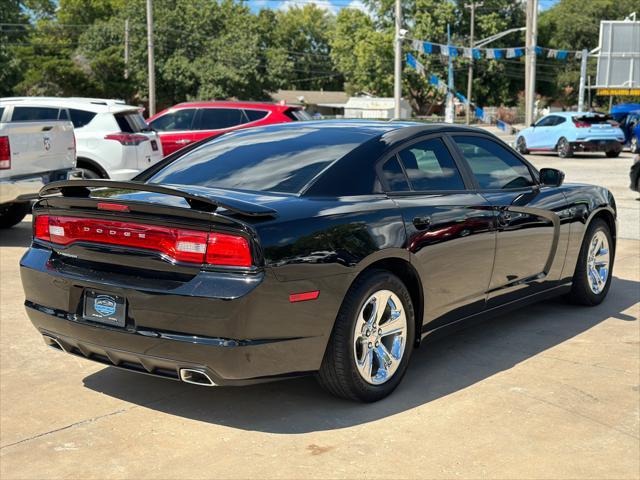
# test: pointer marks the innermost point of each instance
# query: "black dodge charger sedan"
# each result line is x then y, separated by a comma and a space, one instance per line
328, 248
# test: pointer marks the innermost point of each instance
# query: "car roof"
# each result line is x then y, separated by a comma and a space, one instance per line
97, 105
232, 103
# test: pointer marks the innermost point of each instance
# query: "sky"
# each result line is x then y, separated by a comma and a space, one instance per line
335, 5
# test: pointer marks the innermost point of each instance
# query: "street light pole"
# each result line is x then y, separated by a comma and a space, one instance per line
583, 79
397, 85
530, 70
450, 114
152, 68
472, 6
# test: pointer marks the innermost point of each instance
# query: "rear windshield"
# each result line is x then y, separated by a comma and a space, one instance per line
594, 119
131, 122
297, 115
281, 160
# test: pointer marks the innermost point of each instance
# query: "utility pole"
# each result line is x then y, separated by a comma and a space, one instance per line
530, 64
126, 48
583, 79
472, 6
152, 67
449, 116
397, 85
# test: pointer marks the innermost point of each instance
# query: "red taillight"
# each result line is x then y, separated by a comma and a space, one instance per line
581, 124
225, 249
5, 153
190, 246
130, 139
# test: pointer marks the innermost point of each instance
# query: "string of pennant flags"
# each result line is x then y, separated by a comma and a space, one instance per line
442, 87
429, 48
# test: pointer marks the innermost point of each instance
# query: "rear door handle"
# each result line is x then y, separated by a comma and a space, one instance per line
422, 223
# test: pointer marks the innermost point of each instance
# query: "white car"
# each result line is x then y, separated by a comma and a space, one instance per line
113, 139
32, 154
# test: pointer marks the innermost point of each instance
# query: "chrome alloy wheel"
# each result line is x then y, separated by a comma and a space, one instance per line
380, 337
598, 262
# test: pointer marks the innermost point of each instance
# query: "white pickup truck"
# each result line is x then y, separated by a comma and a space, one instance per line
32, 154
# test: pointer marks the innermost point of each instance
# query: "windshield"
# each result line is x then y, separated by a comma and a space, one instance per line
282, 160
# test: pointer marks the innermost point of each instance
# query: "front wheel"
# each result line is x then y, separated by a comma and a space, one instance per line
564, 148
612, 153
592, 277
372, 339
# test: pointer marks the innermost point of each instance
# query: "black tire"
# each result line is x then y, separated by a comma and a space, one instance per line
564, 148
90, 174
338, 373
13, 214
521, 146
612, 153
634, 144
581, 293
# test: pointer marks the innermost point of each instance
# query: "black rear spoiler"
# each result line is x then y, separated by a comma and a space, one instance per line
198, 198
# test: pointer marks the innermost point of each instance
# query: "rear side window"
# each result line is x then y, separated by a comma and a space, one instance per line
493, 165
80, 118
394, 176
430, 166
131, 122
297, 115
255, 115
175, 121
218, 118
262, 159
31, 114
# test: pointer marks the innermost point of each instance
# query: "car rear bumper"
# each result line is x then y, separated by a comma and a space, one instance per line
25, 188
237, 332
596, 146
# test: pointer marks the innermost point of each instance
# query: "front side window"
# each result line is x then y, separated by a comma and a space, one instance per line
430, 166
546, 122
178, 120
219, 118
493, 166
30, 114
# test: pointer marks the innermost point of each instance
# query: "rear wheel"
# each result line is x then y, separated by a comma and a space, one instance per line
592, 276
372, 339
89, 174
13, 214
612, 153
521, 145
564, 148
635, 147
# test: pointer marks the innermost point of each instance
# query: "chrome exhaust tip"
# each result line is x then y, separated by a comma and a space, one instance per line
52, 342
197, 377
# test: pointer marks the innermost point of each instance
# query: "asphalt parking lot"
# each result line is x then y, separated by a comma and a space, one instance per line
552, 391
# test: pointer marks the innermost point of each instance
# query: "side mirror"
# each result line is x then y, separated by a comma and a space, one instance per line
551, 177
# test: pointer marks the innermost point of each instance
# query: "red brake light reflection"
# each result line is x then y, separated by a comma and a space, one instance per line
190, 246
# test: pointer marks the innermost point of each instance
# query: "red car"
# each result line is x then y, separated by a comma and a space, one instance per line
185, 123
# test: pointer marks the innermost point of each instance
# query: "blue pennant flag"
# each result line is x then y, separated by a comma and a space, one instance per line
498, 53
477, 54
562, 55
434, 80
479, 113
461, 97
505, 127
538, 50
411, 61
519, 52
453, 51
426, 47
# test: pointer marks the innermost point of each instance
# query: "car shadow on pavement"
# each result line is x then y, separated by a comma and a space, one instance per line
18, 236
437, 369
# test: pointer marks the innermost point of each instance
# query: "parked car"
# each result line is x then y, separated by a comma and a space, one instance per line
113, 139
186, 123
634, 174
329, 248
32, 154
569, 132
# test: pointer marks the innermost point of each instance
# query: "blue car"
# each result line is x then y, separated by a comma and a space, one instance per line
569, 132
630, 125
